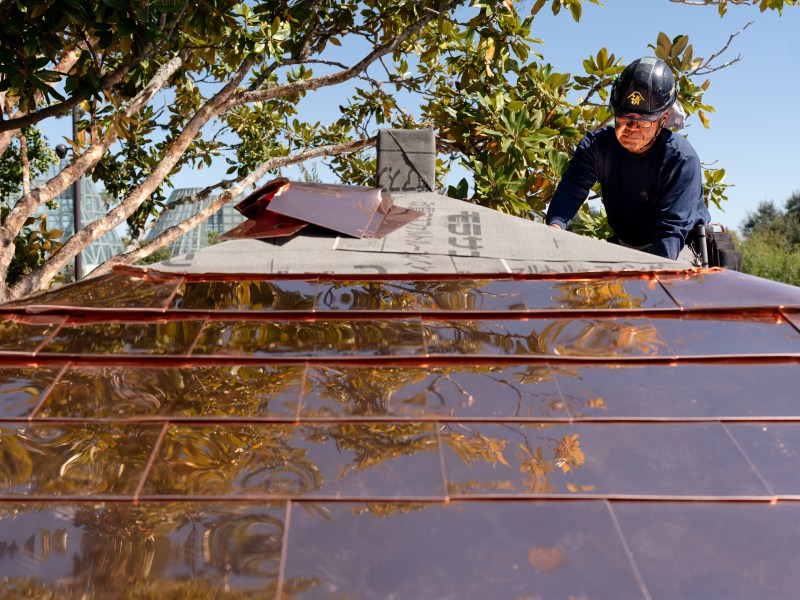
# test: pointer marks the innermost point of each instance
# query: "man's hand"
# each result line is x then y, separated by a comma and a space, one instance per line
555, 226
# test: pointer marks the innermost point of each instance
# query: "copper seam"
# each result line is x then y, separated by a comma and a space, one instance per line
628, 552
389, 361
284, 547
794, 322
792, 499
144, 315
280, 421
172, 295
747, 459
150, 462
46, 393
44, 342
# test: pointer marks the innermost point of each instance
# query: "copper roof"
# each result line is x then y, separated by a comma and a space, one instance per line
596, 435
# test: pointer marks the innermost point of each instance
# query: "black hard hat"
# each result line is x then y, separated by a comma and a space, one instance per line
646, 87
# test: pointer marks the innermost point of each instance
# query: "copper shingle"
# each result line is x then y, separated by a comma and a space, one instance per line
592, 435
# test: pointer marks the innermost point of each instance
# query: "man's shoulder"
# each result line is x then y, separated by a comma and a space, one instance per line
598, 137
601, 134
678, 146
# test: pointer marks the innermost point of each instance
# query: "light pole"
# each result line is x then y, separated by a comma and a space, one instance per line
61, 152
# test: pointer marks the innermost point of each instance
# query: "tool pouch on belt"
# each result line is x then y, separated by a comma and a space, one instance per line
721, 250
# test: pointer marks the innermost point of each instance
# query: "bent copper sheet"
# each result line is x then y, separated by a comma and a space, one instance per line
254, 204
282, 208
345, 209
265, 225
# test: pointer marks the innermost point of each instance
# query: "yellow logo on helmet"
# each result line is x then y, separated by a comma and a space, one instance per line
636, 98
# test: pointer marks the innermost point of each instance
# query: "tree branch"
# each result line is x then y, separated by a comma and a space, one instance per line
47, 270
705, 68
344, 75
709, 2
28, 203
26, 166
298, 57
107, 82
65, 64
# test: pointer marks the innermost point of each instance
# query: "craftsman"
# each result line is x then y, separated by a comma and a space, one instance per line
650, 177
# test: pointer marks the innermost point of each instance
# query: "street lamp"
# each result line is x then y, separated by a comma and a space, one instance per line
61, 152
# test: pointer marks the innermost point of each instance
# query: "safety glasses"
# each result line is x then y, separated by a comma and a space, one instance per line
640, 121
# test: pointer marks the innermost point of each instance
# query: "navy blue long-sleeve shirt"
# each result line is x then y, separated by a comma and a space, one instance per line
654, 198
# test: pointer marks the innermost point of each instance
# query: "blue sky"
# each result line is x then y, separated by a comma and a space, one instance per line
753, 133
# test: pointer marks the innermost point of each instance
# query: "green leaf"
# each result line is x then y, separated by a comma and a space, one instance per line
40, 63
663, 42
560, 163
459, 191
538, 6
678, 46
576, 9
50, 76
687, 58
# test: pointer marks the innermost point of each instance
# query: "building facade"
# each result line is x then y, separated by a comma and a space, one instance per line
201, 236
93, 206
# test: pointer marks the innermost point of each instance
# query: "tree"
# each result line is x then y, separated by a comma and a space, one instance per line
771, 244
172, 83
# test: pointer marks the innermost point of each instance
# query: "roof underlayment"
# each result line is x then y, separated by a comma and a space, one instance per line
552, 417
451, 236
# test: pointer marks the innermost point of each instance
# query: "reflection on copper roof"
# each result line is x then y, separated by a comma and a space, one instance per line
603, 435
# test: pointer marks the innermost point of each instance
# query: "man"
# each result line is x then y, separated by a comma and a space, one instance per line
650, 177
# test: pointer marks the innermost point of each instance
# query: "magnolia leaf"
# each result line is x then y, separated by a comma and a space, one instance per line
576, 9
687, 58
663, 42
679, 46
488, 55
602, 58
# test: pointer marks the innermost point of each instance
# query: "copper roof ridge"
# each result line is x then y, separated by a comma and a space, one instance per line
151, 273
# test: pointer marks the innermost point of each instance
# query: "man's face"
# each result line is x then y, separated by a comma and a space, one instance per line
634, 134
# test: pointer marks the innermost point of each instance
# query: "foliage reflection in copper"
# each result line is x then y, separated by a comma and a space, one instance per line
74, 460
196, 391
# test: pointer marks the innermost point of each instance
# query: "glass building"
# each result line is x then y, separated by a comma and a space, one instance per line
93, 206
221, 221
